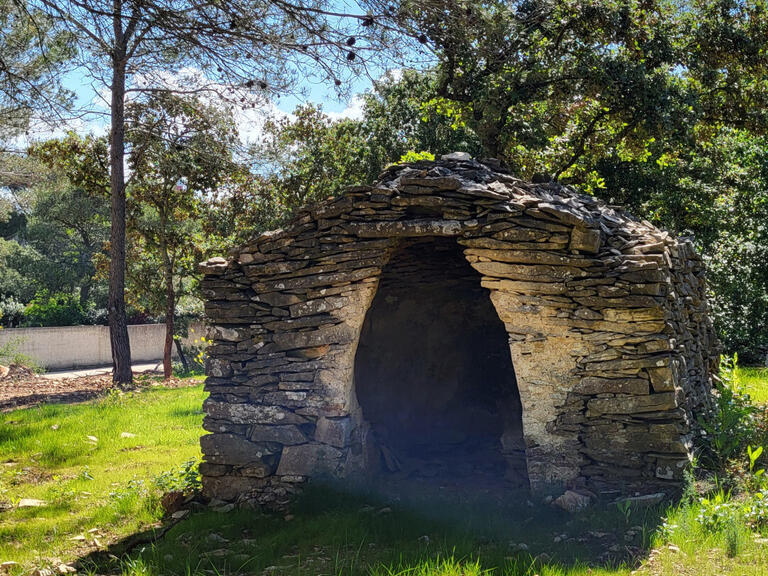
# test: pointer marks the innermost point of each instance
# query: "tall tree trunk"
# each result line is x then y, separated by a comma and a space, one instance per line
118, 325
170, 310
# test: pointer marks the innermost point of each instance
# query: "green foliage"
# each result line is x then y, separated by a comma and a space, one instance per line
716, 511
32, 53
60, 309
185, 478
82, 160
734, 539
732, 423
22, 269
11, 312
752, 380
310, 157
10, 354
753, 456
412, 156
61, 217
108, 484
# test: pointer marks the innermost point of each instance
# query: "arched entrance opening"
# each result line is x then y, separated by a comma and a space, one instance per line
433, 372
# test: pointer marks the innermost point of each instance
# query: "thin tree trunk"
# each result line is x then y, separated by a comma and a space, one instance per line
118, 325
85, 292
182, 356
170, 310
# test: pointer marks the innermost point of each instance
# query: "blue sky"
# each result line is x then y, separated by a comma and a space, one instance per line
87, 97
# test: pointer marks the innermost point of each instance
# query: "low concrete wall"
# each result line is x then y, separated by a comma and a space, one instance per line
64, 347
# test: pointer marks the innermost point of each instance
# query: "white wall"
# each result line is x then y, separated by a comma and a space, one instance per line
66, 347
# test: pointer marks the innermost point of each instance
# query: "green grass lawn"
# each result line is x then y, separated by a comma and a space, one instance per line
93, 464
754, 381
96, 467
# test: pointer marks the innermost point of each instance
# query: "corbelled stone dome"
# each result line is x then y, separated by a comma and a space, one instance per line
453, 319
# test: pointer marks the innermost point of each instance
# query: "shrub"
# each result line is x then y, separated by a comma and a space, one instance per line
732, 424
413, 156
184, 479
10, 354
11, 312
60, 309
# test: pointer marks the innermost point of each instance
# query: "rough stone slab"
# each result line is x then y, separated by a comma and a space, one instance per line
529, 257
318, 280
339, 334
593, 386
286, 435
333, 431
534, 273
250, 414
672, 468
632, 404
319, 305
230, 487
233, 450
278, 299
662, 378
439, 183
308, 460
411, 228
585, 240
523, 287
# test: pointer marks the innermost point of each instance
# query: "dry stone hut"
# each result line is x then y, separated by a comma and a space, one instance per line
455, 320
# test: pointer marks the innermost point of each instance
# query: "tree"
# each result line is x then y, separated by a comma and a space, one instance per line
181, 151
68, 218
402, 114
660, 106
32, 53
234, 49
56, 225
310, 156
555, 87
69, 226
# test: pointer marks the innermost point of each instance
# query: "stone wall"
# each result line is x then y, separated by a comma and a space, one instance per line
606, 318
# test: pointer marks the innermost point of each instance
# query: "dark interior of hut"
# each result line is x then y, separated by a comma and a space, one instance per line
434, 376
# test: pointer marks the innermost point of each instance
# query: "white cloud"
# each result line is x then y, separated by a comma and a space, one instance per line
250, 122
353, 111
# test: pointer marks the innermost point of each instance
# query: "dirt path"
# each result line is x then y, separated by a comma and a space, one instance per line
22, 388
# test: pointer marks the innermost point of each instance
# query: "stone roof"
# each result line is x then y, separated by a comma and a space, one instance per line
442, 190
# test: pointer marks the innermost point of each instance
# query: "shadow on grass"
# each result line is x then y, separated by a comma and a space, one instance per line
34, 400
333, 531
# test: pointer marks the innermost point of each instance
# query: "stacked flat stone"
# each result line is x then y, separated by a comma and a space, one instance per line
607, 320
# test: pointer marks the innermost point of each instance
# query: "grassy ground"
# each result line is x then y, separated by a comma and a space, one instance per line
93, 465
754, 381
100, 487
335, 532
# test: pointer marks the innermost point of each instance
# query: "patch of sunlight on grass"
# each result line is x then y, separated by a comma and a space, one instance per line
93, 464
687, 548
754, 381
